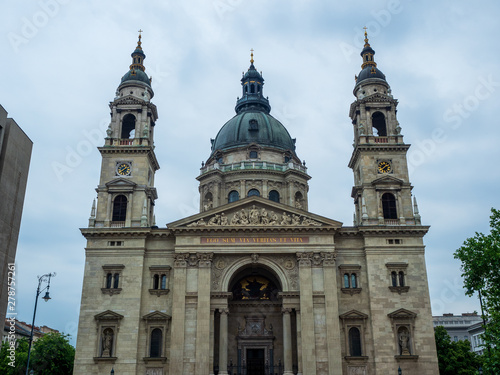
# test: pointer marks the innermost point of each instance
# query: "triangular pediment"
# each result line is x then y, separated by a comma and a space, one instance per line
129, 100
157, 315
377, 97
120, 182
387, 180
108, 315
254, 212
353, 314
402, 314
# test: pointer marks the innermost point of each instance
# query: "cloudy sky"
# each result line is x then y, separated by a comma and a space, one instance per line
62, 61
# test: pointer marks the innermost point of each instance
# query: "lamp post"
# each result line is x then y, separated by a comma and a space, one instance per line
46, 297
399, 371
112, 371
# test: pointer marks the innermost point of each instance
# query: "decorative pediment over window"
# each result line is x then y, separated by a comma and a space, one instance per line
156, 316
353, 315
109, 316
128, 100
388, 180
255, 212
120, 182
402, 314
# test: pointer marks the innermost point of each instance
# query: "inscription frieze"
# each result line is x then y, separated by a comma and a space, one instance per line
253, 240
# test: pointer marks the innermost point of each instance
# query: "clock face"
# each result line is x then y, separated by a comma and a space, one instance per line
384, 167
123, 169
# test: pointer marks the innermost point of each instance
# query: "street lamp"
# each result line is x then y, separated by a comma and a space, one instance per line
41, 279
112, 371
399, 371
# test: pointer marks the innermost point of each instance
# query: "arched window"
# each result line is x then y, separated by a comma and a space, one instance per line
394, 278
258, 88
156, 281
233, 196
252, 88
354, 283
346, 280
163, 282
246, 89
116, 280
274, 196
401, 278
253, 192
378, 123
389, 206
128, 125
354, 342
120, 208
155, 344
109, 280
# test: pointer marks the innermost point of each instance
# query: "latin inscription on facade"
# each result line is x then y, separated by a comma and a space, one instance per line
253, 240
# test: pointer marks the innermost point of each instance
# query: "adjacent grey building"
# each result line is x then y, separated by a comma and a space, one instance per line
468, 326
15, 155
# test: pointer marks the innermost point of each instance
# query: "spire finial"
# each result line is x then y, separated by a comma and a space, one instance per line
251, 56
139, 41
366, 37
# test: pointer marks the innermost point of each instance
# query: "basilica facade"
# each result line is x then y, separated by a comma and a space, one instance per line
255, 283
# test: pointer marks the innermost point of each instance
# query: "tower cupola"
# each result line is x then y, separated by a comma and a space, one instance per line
137, 70
369, 68
252, 97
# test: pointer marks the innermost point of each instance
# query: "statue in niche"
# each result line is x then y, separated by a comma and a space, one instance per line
207, 206
254, 215
263, 217
145, 132
298, 204
404, 338
107, 342
361, 129
109, 131
398, 128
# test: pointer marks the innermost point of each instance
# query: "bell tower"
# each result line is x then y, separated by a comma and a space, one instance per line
382, 190
126, 192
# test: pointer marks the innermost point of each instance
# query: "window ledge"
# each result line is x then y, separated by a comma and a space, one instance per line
351, 291
406, 357
361, 358
105, 359
111, 291
155, 359
159, 292
399, 289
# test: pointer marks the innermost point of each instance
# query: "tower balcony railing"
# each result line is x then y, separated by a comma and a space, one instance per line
117, 224
127, 142
254, 165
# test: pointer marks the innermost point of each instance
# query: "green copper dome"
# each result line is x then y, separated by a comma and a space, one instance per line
253, 123
253, 126
136, 75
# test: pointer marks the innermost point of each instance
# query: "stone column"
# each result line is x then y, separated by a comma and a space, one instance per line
287, 341
178, 315
202, 366
242, 189
212, 343
307, 314
332, 315
223, 342
299, 343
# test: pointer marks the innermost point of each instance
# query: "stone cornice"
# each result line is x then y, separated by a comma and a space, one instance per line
375, 147
149, 150
135, 232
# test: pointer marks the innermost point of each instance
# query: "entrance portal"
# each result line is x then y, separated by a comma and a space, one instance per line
255, 362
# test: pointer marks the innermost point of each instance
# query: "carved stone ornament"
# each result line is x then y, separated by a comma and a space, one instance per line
180, 260
255, 258
256, 217
204, 259
356, 370
304, 259
329, 259
317, 259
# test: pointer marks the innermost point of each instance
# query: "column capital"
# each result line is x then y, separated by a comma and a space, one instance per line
329, 259
304, 259
205, 259
224, 311
180, 260
286, 310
